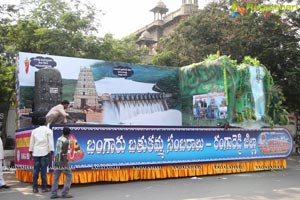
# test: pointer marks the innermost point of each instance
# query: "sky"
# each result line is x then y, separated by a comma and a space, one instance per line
123, 17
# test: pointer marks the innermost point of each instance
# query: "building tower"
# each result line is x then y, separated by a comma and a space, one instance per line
159, 11
85, 93
192, 2
163, 24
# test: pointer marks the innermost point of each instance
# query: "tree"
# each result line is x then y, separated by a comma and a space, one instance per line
74, 17
125, 50
292, 74
7, 69
57, 28
7, 83
273, 40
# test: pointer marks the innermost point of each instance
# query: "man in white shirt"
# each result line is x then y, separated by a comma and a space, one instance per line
41, 149
57, 114
2, 181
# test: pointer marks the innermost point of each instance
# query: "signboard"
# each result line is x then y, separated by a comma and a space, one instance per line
93, 147
22, 149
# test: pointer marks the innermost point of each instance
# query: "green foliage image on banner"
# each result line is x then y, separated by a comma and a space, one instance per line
218, 90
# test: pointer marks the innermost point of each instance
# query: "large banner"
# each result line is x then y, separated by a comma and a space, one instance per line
210, 93
93, 147
111, 93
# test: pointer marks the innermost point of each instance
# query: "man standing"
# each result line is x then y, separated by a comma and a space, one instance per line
41, 150
2, 181
57, 114
61, 165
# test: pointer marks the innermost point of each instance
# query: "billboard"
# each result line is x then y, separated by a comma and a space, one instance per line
112, 93
210, 93
100, 147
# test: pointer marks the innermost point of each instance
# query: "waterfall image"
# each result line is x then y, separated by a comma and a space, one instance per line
111, 115
256, 79
134, 103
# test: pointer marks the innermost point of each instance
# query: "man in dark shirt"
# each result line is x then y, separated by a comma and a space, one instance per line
61, 165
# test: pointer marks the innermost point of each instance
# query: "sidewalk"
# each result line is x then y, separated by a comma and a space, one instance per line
17, 187
12, 181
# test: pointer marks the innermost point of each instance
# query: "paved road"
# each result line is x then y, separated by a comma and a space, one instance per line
267, 185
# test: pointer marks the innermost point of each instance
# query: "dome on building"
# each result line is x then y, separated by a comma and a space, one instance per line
160, 8
161, 4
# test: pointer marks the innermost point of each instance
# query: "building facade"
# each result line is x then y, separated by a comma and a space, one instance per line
164, 23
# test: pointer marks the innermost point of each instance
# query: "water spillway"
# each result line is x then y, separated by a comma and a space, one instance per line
118, 108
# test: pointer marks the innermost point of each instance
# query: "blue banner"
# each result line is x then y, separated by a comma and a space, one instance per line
100, 146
